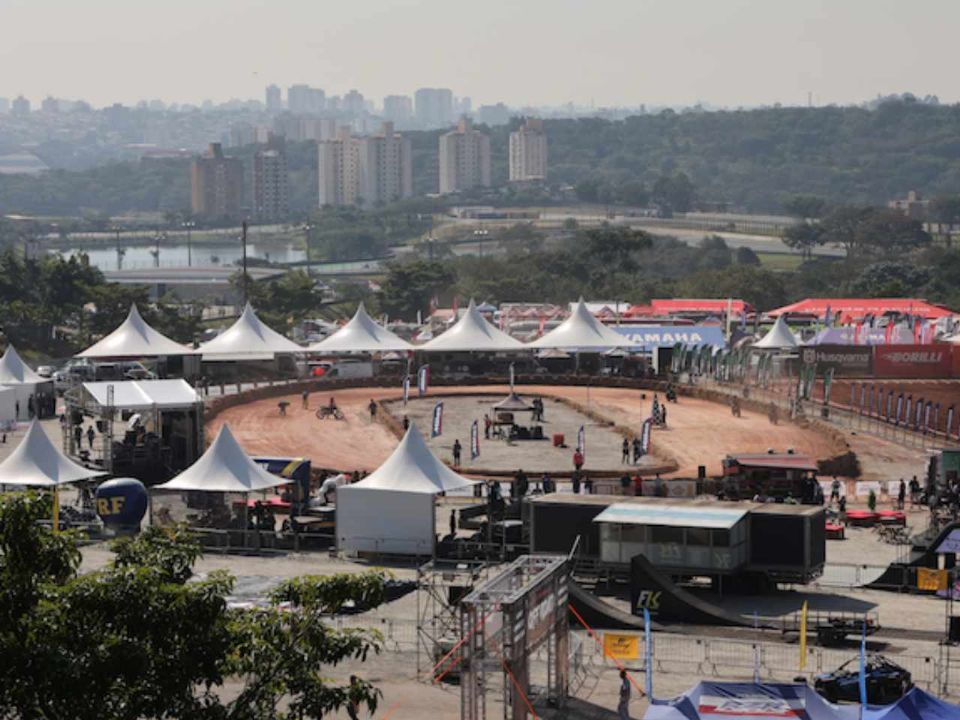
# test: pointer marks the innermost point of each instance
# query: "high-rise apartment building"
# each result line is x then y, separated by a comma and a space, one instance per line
338, 171
4, 106
365, 170
216, 184
353, 103
386, 167
274, 99
528, 152
270, 183
434, 106
21, 106
498, 114
50, 105
304, 99
464, 159
398, 109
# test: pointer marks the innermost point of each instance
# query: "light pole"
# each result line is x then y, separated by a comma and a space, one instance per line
156, 251
189, 225
480, 235
246, 280
117, 229
307, 227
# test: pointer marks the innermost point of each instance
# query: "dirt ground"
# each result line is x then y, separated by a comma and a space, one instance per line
698, 432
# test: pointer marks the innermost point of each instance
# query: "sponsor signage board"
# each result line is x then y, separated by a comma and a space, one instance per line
657, 336
844, 360
913, 361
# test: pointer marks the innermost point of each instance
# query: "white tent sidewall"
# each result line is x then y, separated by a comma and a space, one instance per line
385, 521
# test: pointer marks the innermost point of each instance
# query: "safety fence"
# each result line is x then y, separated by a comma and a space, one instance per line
703, 657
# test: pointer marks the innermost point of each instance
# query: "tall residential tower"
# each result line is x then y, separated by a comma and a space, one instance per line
528, 152
464, 159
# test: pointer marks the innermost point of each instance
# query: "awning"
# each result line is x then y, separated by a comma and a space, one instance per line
143, 394
671, 516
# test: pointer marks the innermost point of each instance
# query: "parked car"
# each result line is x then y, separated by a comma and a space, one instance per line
45, 371
886, 681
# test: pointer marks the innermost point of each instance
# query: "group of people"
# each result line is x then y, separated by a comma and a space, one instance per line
629, 446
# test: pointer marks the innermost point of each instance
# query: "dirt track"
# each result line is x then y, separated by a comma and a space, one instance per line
698, 432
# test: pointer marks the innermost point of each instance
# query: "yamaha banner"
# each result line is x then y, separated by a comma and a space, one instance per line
474, 441
436, 427
423, 380
406, 389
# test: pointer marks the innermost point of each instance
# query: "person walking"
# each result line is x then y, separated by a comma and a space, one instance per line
663, 415
577, 460
576, 482
901, 494
588, 484
305, 399
834, 490
547, 482
406, 423
457, 449
487, 423
90, 436
625, 484
623, 707
625, 452
453, 523
372, 407
637, 451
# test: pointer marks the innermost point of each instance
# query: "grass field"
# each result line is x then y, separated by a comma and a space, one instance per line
780, 262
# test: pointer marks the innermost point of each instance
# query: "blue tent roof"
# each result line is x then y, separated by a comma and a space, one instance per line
762, 701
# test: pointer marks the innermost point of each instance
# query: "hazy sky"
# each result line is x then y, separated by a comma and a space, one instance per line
623, 52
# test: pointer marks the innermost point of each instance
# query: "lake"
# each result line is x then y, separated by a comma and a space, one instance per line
206, 255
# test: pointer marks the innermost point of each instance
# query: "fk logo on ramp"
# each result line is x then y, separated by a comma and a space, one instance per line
649, 600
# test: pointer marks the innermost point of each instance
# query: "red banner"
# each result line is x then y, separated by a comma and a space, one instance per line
956, 361
913, 361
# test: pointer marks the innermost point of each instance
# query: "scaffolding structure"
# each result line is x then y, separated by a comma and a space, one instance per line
503, 622
441, 584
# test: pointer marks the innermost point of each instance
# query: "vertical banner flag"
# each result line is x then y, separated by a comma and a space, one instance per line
896, 418
511, 377
648, 652
936, 418
406, 389
889, 405
949, 420
863, 667
474, 441
863, 397
872, 407
880, 401
907, 406
645, 435
918, 416
803, 636
423, 380
927, 415
582, 441
436, 426
853, 397
827, 383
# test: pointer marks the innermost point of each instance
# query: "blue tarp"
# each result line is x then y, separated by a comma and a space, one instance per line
761, 701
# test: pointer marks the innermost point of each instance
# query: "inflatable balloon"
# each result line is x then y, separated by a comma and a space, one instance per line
121, 504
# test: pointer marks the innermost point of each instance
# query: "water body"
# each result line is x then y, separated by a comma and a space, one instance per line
206, 255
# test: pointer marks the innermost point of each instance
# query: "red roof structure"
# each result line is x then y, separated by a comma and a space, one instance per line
851, 309
690, 305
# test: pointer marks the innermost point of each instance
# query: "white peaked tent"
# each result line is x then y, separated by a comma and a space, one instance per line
38, 463
779, 337
135, 339
581, 331
472, 333
392, 509
224, 467
248, 339
361, 334
25, 383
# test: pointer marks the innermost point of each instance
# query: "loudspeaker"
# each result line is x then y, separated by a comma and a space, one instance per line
954, 632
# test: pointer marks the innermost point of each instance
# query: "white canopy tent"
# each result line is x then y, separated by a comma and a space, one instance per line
392, 509
472, 333
779, 337
224, 467
8, 407
141, 395
361, 334
581, 331
26, 384
37, 462
248, 339
135, 339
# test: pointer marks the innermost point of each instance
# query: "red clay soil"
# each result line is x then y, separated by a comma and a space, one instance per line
698, 432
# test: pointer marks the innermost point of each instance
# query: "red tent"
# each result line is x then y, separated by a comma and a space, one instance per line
710, 306
851, 309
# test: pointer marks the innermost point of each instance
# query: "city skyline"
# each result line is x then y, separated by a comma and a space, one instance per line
735, 53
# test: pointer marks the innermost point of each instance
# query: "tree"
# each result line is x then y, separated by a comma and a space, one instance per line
805, 207
673, 192
137, 640
409, 287
804, 236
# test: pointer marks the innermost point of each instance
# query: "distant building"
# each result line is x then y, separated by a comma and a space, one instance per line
528, 152
241, 134
50, 105
398, 109
464, 159
498, 114
306, 100
274, 99
386, 166
318, 129
353, 103
21, 106
913, 206
434, 106
4, 106
365, 170
216, 184
270, 181
338, 171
